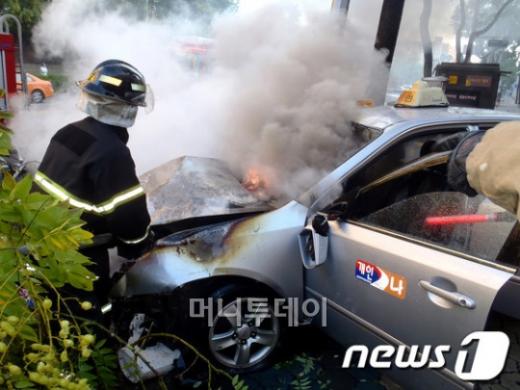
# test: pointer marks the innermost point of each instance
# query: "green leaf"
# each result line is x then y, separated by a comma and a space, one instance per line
100, 344
36, 200
24, 384
6, 115
29, 334
11, 215
78, 280
106, 366
51, 232
5, 141
8, 261
8, 183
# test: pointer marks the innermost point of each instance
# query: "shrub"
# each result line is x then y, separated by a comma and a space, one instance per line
41, 344
58, 80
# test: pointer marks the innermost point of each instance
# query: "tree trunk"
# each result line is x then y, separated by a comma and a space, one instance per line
458, 33
388, 29
426, 38
476, 33
471, 39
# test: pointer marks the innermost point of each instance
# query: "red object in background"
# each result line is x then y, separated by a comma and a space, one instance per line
196, 48
468, 219
8, 51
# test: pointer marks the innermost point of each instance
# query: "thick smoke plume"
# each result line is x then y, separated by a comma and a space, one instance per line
278, 95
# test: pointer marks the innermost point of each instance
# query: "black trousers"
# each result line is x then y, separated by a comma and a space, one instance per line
99, 296
101, 267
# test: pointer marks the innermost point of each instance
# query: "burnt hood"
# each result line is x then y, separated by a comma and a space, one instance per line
190, 187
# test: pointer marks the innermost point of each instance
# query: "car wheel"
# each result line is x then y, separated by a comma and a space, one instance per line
37, 96
236, 332
242, 338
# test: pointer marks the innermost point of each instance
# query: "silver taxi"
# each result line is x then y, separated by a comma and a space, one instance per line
398, 256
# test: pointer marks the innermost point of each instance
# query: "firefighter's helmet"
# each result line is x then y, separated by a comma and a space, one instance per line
116, 80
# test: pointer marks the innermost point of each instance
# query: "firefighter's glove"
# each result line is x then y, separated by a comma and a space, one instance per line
493, 167
457, 173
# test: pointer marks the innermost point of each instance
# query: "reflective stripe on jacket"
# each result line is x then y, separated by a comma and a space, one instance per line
88, 165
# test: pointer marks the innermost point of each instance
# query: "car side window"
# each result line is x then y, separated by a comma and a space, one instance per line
405, 191
471, 225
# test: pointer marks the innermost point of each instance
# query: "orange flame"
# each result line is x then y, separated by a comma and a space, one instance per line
254, 181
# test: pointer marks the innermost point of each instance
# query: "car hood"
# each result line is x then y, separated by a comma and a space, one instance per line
190, 187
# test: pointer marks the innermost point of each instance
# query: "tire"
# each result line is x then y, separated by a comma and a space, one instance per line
37, 96
509, 378
236, 337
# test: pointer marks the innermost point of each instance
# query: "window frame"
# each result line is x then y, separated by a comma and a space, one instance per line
411, 133
494, 264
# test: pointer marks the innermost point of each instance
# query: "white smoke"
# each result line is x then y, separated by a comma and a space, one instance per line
279, 94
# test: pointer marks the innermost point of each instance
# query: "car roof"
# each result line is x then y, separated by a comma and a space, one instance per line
383, 117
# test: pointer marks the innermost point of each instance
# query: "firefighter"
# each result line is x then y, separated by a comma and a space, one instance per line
88, 165
488, 162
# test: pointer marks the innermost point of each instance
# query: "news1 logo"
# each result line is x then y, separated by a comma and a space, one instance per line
488, 362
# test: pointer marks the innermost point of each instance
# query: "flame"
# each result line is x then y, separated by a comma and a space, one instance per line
255, 181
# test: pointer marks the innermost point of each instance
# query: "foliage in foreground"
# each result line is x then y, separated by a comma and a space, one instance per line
304, 373
41, 344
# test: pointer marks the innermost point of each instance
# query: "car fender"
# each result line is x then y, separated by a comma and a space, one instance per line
263, 248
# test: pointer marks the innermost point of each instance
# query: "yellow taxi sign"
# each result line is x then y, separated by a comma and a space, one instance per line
407, 98
424, 93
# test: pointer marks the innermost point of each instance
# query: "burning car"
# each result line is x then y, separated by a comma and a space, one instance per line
399, 257
193, 52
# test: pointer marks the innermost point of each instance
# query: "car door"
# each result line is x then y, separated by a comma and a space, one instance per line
411, 269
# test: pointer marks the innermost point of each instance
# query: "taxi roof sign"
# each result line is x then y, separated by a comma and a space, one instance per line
427, 92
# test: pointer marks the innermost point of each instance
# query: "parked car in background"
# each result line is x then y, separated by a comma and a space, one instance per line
194, 52
38, 89
400, 257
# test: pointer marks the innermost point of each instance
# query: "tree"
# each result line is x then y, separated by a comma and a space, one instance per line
27, 11
460, 29
483, 15
426, 38
204, 9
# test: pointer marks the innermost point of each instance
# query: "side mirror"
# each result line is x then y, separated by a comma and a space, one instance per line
337, 210
314, 242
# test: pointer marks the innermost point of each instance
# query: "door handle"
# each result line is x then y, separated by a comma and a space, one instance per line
453, 297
